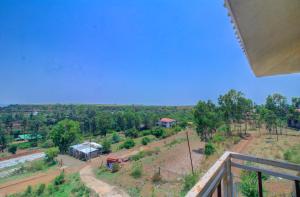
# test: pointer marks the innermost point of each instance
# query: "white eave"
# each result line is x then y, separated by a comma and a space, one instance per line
269, 33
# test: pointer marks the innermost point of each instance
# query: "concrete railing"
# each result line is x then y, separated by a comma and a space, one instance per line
219, 177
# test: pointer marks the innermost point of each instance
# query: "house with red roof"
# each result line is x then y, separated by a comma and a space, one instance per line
166, 122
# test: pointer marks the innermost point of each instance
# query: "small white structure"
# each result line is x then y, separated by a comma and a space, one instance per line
86, 150
166, 122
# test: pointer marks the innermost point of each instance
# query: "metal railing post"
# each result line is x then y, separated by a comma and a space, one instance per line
297, 188
260, 190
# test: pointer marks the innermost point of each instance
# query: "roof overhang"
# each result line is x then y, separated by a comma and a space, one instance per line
269, 33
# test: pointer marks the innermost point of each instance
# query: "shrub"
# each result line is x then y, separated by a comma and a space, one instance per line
287, 155
115, 167
145, 140
136, 170
47, 144
188, 182
158, 132
12, 149
50, 188
51, 153
24, 145
106, 146
145, 132
60, 179
209, 149
236, 139
40, 190
133, 133
137, 156
217, 138
248, 184
28, 191
115, 138
129, 143
36, 165
134, 192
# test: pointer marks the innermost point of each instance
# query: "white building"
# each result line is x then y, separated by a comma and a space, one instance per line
86, 150
166, 122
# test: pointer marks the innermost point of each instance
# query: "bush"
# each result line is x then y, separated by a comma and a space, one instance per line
145, 132
129, 143
188, 182
28, 191
145, 140
287, 155
158, 132
236, 139
209, 149
51, 153
40, 190
115, 138
12, 149
106, 146
47, 144
217, 138
133, 133
115, 167
24, 145
134, 192
36, 165
136, 170
60, 179
248, 184
50, 188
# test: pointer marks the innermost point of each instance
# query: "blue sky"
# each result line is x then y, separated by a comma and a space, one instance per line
154, 52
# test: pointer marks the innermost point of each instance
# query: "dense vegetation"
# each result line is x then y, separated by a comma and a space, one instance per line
62, 125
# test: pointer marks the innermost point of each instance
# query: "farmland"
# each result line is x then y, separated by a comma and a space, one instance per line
151, 160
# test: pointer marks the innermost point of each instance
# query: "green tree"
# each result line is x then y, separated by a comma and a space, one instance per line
206, 118
51, 153
106, 146
103, 123
231, 105
3, 139
278, 104
64, 133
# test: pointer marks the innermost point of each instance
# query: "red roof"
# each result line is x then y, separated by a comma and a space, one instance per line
167, 120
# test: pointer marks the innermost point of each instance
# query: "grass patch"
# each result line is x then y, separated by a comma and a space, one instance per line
292, 154
70, 186
174, 142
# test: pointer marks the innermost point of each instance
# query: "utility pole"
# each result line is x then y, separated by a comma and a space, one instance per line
187, 137
90, 148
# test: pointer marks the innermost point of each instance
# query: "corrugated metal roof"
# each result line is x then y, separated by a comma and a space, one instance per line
86, 147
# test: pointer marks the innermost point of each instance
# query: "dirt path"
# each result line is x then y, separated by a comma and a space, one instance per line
101, 188
20, 185
242, 145
71, 165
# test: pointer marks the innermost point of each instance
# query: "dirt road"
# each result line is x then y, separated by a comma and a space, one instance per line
70, 165
101, 188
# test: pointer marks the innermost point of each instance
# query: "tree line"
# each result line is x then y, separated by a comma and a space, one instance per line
233, 110
40, 120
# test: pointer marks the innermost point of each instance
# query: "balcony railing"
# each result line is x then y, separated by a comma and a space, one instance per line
219, 177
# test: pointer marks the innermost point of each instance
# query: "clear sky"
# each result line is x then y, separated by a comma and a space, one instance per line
160, 52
